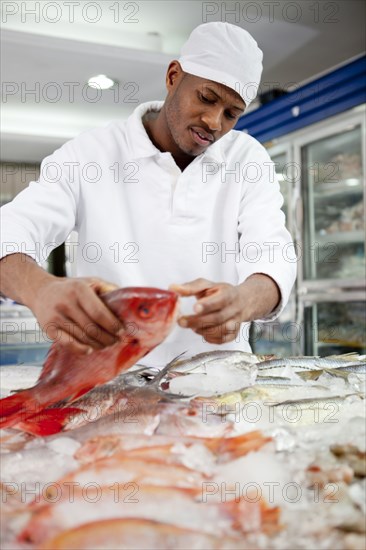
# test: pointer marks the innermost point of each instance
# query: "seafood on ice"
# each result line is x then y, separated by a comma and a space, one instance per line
221, 450
149, 314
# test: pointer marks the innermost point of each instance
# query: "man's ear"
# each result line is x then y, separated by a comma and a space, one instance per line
174, 75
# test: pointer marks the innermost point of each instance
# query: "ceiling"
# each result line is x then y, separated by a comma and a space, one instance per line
51, 49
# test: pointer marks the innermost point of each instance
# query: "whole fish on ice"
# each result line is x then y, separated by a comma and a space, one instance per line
222, 371
182, 507
170, 448
203, 361
347, 360
143, 534
150, 312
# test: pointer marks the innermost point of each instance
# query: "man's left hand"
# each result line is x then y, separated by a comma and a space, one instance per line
219, 309
222, 307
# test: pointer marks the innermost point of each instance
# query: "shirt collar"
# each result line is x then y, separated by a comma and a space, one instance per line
140, 144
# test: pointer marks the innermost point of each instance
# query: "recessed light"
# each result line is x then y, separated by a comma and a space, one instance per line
101, 81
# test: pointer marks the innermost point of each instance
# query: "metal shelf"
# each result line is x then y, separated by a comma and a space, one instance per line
338, 189
345, 237
343, 343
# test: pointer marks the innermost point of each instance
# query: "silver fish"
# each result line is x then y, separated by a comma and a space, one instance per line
145, 410
117, 394
333, 398
357, 369
347, 360
341, 372
279, 381
229, 357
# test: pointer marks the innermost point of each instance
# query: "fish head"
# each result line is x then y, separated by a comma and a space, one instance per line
148, 314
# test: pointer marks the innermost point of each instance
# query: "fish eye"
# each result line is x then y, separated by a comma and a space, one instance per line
144, 310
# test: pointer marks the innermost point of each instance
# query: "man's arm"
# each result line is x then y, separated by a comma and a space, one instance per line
266, 246
68, 310
221, 307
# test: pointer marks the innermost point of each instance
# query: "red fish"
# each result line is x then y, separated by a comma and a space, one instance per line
139, 533
184, 508
148, 315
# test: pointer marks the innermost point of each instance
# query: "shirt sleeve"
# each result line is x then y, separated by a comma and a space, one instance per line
266, 245
42, 216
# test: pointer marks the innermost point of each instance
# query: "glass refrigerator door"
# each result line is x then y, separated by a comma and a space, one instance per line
280, 337
333, 199
335, 327
281, 163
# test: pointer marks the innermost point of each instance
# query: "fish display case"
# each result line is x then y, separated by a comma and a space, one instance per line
280, 337
331, 234
333, 323
333, 204
21, 339
321, 169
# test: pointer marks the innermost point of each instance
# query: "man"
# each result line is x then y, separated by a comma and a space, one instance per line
180, 197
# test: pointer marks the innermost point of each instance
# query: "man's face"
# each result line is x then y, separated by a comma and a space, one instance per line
200, 112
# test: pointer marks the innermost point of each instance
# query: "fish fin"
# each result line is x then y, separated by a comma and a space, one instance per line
270, 518
47, 422
310, 374
240, 445
346, 356
252, 515
166, 394
18, 390
51, 357
82, 392
130, 349
13, 406
157, 379
338, 372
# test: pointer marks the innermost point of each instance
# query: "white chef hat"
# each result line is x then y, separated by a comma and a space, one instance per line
226, 54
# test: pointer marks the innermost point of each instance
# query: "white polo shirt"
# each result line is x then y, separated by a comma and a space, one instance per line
141, 221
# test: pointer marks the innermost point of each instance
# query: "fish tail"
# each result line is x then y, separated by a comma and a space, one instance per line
41, 526
351, 356
234, 447
250, 513
158, 378
270, 519
16, 408
49, 421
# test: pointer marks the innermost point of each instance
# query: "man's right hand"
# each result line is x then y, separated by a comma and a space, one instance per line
68, 310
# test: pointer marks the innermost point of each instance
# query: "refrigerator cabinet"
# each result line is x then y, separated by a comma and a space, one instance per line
332, 190
333, 322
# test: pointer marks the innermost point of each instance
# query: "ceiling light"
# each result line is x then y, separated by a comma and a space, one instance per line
101, 81
352, 181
